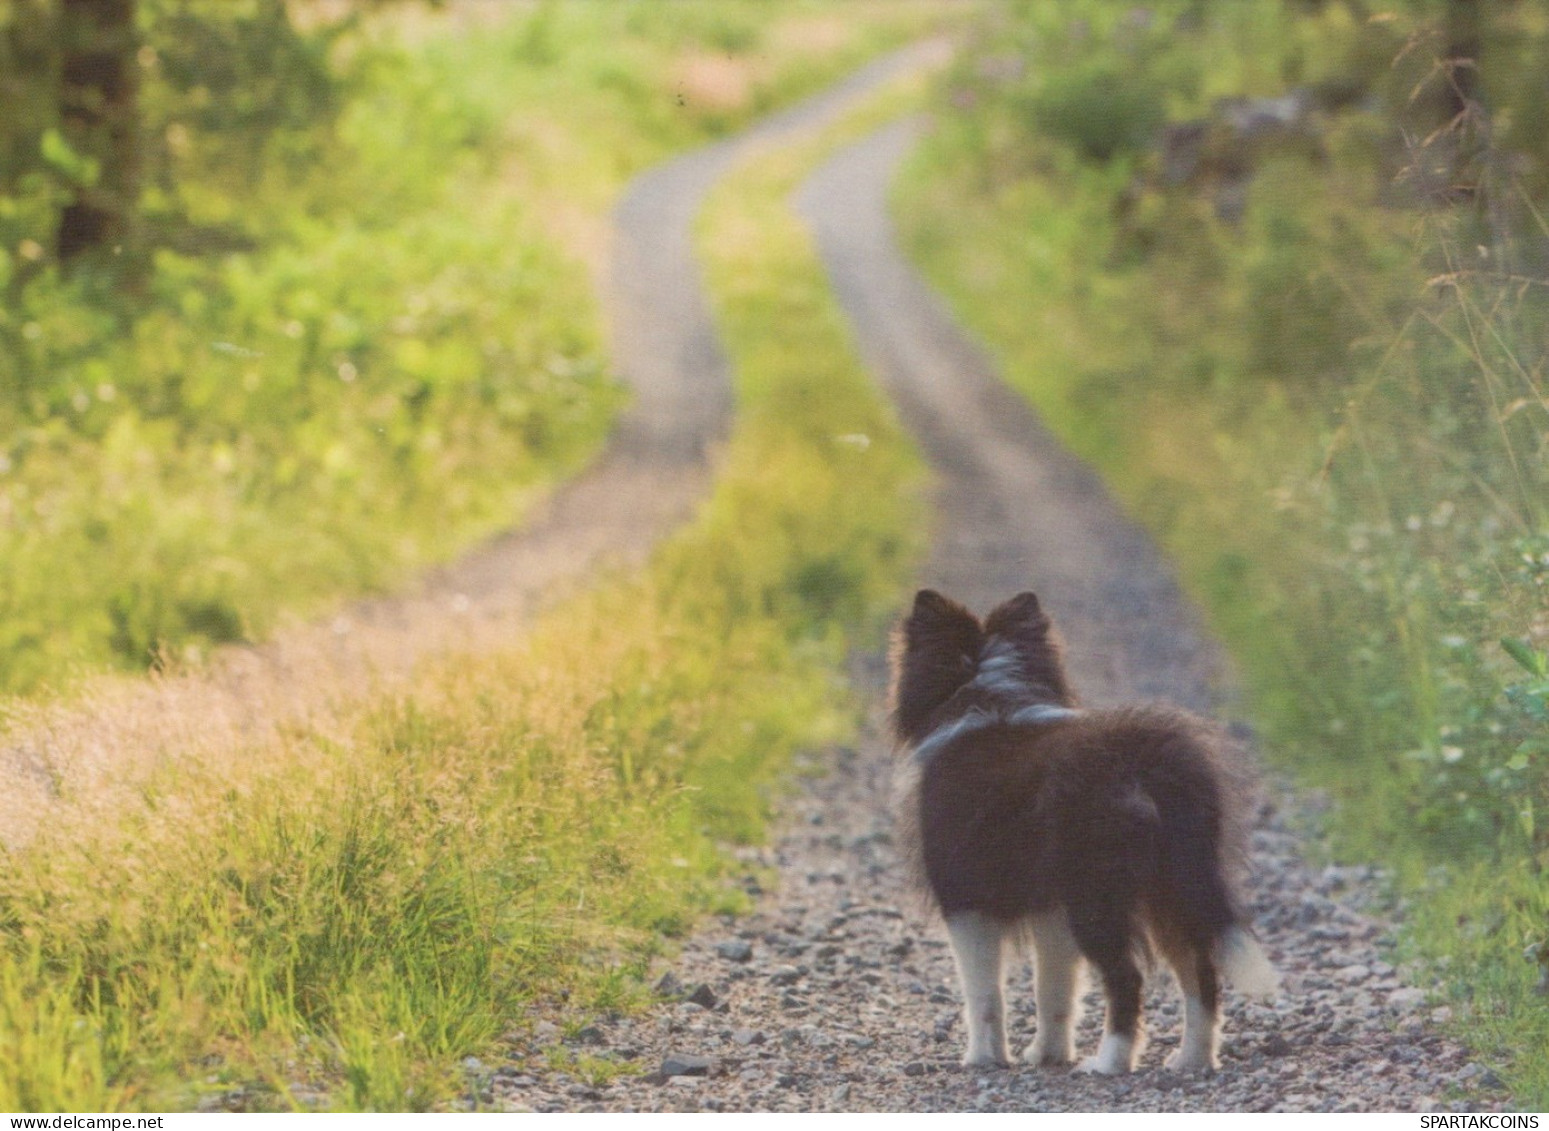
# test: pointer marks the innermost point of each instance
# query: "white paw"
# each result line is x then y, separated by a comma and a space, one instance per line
982, 1059
1097, 1066
1189, 1060
1048, 1053
1115, 1056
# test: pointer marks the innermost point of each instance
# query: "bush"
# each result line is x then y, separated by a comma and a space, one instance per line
1099, 110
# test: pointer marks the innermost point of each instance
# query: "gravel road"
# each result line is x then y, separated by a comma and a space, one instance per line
838, 994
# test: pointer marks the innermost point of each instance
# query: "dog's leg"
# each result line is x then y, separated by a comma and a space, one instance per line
977, 943
1106, 941
1057, 975
1122, 1039
1201, 1015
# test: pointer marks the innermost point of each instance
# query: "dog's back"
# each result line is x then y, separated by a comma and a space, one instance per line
1134, 806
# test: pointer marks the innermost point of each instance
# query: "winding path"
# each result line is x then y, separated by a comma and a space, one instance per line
97, 748
836, 994
1015, 509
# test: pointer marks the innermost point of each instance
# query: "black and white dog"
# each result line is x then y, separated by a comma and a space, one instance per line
1101, 835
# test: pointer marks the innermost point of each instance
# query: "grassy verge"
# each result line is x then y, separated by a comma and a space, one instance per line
369, 336
1329, 405
342, 918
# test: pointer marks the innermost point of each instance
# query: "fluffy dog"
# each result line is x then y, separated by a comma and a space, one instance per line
1102, 835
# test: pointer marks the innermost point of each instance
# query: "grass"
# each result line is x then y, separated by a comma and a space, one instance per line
338, 917
370, 337
1335, 425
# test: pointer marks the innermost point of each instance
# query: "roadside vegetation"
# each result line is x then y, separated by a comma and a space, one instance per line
345, 326
339, 919
1281, 271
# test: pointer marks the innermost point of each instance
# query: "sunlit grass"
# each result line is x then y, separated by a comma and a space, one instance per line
404, 349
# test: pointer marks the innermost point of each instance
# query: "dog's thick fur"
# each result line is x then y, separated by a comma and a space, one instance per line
1102, 835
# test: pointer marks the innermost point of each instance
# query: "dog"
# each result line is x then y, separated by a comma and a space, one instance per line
1103, 836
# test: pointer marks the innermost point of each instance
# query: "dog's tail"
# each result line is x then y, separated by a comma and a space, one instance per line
1198, 845
1246, 966
1213, 913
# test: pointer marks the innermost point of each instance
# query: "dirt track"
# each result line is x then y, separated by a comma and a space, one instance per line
837, 994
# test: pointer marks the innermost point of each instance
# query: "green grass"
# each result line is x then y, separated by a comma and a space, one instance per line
341, 917
1334, 424
370, 337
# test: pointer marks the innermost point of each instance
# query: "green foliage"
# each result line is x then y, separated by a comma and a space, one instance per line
237, 70
66, 162
341, 409
1100, 109
733, 29
1298, 270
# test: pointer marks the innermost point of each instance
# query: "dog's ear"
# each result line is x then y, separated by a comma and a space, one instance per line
934, 613
1021, 610
1022, 621
933, 656
1021, 618
1023, 606
927, 602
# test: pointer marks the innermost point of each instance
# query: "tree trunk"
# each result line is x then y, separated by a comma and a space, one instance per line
99, 117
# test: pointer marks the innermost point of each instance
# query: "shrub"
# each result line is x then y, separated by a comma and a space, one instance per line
1099, 110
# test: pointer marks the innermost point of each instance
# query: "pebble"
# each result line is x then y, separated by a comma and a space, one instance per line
680, 1064
735, 950
1276, 1045
668, 986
